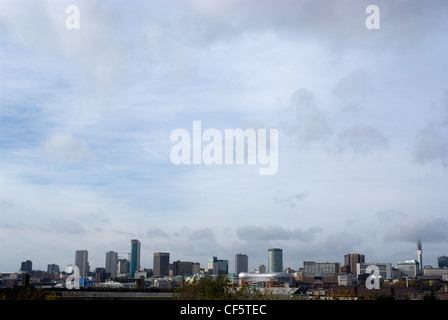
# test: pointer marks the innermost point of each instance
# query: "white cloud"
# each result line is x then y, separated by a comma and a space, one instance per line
65, 147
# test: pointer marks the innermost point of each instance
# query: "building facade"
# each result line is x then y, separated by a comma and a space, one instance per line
351, 260
275, 260
134, 264
82, 262
161, 263
241, 263
442, 261
409, 268
321, 269
384, 268
111, 263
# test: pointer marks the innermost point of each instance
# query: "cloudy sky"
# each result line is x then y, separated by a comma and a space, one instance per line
86, 116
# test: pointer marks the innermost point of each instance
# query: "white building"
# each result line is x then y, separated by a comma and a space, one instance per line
385, 269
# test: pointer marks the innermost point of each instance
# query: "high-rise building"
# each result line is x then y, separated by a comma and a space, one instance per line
135, 258
351, 260
122, 267
161, 264
26, 266
53, 268
181, 268
442, 261
419, 255
82, 262
111, 263
275, 260
241, 263
262, 268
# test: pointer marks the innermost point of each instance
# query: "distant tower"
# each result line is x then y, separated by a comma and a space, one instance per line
419, 254
82, 262
135, 258
241, 263
275, 260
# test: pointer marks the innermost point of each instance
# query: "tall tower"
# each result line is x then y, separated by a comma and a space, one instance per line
82, 262
135, 258
111, 263
161, 264
419, 254
275, 260
241, 263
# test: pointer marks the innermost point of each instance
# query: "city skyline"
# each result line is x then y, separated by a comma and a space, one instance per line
89, 99
274, 262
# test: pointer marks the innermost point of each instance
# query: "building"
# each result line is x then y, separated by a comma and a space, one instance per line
409, 268
161, 264
442, 261
266, 279
53, 268
134, 264
275, 260
419, 255
321, 269
111, 263
122, 267
241, 263
216, 266
82, 262
385, 269
185, 268
26, 266
351, 260
262, 268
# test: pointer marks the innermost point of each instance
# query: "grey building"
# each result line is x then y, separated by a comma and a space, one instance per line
241, 263
111, 263
82, 262
161, 264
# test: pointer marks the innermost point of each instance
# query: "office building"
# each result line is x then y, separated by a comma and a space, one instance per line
409, 268
82, 262
53, 268
262, 268
134, 264
26, 266
321, 269
185, 268
385, 269
275, 260
241, 263
442, 261
122, 267
161, 264
351, 260
111, 263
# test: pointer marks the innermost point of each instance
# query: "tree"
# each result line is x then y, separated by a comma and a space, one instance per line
220, 288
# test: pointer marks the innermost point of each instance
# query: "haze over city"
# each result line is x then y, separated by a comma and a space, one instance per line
86, 116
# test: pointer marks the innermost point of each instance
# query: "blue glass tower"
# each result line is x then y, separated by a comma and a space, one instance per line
135, 257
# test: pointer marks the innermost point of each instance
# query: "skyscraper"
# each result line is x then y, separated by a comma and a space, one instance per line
135, 257
275, 260
442, 261
26, 266
351, 260
419, 255
82, 262
241, 263
161, 264
111, 263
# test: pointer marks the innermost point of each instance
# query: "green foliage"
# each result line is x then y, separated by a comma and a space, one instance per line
220, 288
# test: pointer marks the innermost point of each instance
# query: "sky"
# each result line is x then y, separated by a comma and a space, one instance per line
86, 115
